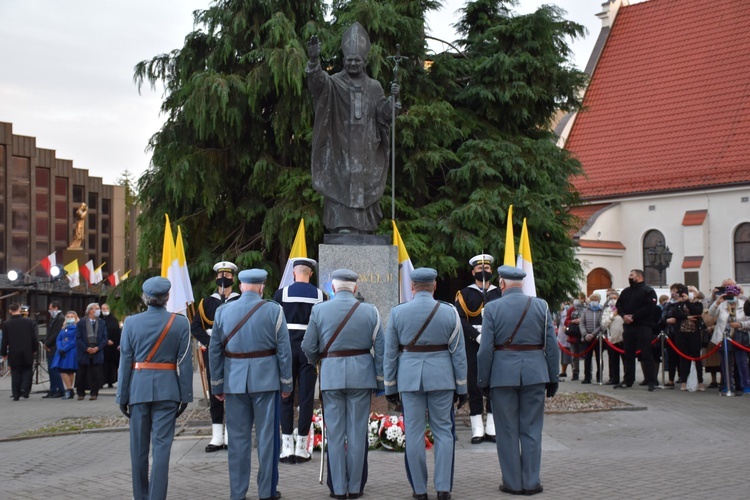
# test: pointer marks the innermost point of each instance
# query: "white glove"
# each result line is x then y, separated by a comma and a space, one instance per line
478, 328
209, 331
479, 338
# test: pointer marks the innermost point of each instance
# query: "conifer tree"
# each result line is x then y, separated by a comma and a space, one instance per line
231, 163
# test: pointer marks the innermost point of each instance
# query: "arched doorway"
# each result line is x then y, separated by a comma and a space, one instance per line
598, 279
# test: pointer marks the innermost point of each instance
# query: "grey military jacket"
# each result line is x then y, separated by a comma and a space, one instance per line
517, 368
424, 371
139, 335
265, 331
362, 331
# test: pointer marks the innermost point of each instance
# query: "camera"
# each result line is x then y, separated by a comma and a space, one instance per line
720, 290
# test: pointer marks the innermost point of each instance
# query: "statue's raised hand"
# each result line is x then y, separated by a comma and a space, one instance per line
395, 91
313, 48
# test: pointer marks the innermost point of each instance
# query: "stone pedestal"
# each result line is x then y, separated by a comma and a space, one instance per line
377, 266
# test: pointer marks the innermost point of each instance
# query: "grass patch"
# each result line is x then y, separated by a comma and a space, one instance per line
76, 424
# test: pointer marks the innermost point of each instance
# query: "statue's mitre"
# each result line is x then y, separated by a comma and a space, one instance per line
355, 41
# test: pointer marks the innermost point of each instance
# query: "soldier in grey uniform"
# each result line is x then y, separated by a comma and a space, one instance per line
251, 362
155, 385
517, 360
422, 341
341, 333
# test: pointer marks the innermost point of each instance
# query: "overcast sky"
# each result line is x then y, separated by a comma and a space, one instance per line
66, 75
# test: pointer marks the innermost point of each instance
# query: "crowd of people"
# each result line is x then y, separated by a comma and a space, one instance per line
694, 326
82, 353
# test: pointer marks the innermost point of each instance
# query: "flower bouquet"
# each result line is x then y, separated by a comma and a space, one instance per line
392, 433
373, 430
315, 436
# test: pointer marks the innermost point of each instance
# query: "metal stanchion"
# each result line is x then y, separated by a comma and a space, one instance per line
728, 379
601, 362
662, 336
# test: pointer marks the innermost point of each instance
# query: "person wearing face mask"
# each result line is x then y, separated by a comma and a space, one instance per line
517, 360
112, 349
470, 303
65, 359
91, 337
202, 328
728, 309
612, 322
56, 389
638, 308
683, 318
591, 318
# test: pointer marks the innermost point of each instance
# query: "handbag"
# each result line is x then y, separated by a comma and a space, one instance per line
687, 326
573, 331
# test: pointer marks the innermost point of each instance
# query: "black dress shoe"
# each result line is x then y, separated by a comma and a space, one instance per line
419, 496
622, 386
477, 439
643, 383
57, 395
276, 497
333, 495
651, 387
490, 438
301, 460
210, 448
287, 460
533, 491
355, 495
505, 489
15, 398
586, 381
444, 495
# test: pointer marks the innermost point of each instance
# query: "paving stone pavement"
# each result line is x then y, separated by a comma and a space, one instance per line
682, 446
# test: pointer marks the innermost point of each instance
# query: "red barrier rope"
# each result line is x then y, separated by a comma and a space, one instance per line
740, 346
690, 358
622, 351
570, 353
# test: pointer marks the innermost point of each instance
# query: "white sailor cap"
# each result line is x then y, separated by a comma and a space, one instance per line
304, 261
482, 258
225, 267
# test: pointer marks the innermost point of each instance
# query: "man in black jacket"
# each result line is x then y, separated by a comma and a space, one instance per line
56, 389
20, 346
637, 305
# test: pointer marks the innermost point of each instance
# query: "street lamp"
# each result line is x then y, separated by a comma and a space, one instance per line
15, 276
659, 257
56, 273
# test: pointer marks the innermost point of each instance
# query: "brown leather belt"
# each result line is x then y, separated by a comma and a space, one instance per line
519, 347
344, 353
154, 366
251, 354
422, 348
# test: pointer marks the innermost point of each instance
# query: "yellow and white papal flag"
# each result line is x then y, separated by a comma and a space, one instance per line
524, 262
510, 257
299, 251
405, 267
170, 269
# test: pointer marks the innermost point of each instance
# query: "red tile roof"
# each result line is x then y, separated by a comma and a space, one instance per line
692, 262
583, 213
609, 245
694, 217
668, 105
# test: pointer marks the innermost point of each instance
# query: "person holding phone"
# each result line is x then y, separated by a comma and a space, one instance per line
728, 309
683, 317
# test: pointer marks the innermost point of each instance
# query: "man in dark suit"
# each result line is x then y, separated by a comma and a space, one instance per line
112, 349
56, 389
156, 384
91, 337
20, 346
